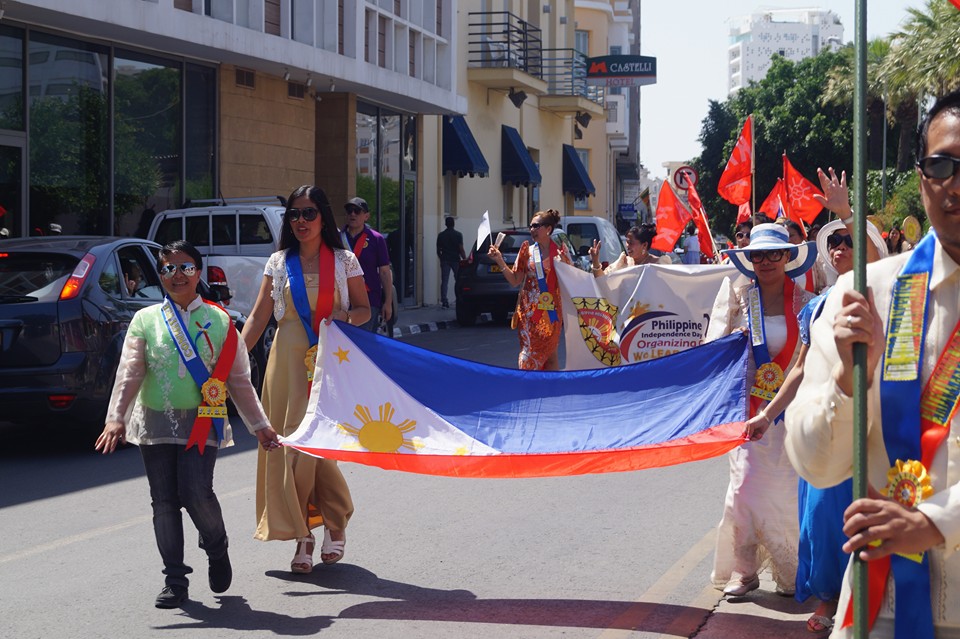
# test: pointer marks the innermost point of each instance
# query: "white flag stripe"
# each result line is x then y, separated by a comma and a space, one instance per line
483, 231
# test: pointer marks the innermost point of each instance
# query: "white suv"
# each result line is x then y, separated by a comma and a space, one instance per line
235, 236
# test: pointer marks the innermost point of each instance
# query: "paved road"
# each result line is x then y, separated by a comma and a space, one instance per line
603, 556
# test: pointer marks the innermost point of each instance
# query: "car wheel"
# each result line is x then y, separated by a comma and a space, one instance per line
466, 315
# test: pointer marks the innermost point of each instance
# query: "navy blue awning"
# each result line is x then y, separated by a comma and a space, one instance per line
461, 153
576, 179
517, 165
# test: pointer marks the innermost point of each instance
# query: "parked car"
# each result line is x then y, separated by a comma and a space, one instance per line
583, 230
65, 305
481, 286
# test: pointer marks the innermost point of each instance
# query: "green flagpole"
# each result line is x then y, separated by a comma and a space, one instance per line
860, 239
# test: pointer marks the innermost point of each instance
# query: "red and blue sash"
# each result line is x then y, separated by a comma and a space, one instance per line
770, 371
357, 246
547, 283
213, 389
324, 306
916, 420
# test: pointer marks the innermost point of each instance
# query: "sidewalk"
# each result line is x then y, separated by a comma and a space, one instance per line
428, 318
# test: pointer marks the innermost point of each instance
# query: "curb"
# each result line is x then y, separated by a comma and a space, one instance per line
427, 327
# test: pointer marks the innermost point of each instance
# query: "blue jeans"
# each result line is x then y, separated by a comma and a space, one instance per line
373, 323
446, 269
178, 479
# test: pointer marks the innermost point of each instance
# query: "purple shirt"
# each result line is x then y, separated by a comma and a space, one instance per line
372, 257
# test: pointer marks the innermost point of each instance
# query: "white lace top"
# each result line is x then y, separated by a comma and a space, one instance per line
345, 266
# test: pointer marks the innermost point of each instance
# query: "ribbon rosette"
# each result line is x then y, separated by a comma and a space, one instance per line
310, 361
769, 377
214, 392
908, 483
545, 301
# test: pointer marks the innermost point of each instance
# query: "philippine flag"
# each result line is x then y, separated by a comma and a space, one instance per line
384, 403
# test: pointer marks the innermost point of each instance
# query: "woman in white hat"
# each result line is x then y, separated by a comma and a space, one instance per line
760, 509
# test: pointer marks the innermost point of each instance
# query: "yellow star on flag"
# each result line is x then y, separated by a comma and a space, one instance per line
342, 355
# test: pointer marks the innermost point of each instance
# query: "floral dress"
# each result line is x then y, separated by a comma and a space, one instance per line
539, 337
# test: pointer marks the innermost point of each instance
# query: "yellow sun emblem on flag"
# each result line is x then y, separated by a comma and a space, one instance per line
381, 435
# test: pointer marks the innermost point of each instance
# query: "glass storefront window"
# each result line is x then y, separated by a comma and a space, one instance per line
146, 138
199, 121
11, 78
69, 135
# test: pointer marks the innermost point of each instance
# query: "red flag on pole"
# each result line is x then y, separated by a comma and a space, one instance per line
799, 199
771, 205
955, 3
736, 182
744, 213
672, 217
700, 218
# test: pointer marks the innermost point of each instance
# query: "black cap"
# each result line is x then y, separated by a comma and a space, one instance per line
358, 202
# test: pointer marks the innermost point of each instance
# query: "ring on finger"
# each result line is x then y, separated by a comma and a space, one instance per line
849, 321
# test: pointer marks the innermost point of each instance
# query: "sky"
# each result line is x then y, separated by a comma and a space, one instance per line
690, 40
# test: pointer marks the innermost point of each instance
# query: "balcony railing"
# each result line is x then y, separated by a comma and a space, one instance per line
565, 71
501, 39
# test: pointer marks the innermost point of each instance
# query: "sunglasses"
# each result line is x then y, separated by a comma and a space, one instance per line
536, 225
835, 240
742, 235
167, 271
773, 255
309, 214
353, 210
939, 167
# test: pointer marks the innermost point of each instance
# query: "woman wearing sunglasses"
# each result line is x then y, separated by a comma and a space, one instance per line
760, 510
309, 280
180, 359
540, 318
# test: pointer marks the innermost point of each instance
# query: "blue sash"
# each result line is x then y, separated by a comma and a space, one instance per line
546, 297
298, 291
188, 354
900, 392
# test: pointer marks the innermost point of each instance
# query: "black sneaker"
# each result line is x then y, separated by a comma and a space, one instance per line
171, 597
220, 573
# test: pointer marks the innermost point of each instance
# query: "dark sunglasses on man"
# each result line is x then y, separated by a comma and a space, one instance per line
309, 214
773, 255
939, 167
836, 239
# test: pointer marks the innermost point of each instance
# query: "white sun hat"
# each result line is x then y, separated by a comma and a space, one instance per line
832, 227
770, 237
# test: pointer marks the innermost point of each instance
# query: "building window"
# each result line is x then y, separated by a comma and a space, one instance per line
581, 41
382, 41
582, 204
246, 78
296, 90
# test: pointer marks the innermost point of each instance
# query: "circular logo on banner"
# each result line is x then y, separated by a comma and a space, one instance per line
685, 177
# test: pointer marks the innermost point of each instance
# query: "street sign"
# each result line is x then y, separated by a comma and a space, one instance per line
685, 177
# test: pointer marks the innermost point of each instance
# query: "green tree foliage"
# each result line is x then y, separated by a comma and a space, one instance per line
788, 116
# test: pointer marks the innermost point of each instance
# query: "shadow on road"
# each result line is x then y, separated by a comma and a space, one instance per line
41, 462
235, 613
416, 603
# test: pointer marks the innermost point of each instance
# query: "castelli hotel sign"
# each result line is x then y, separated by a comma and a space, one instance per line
621, 70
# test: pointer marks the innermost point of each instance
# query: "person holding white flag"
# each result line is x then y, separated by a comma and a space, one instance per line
540, 321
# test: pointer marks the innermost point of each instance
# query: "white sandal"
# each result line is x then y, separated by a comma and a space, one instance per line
303, 561
331, 547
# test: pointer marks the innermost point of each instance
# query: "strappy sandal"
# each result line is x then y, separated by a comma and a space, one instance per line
303, 561
331, 547
819, 623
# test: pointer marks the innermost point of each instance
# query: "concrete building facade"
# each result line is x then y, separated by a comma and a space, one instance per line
792, 33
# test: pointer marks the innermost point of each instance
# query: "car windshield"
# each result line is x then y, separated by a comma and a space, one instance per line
35, 275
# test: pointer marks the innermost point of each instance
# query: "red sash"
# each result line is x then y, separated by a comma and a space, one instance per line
793, 332
214, 392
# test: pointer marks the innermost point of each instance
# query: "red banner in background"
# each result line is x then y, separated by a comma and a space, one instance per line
799, 201
771, 205
672, 217
700, 218
736, 181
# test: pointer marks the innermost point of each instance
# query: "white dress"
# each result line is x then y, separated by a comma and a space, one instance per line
759, 526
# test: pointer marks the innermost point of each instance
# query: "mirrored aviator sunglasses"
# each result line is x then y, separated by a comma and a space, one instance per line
309, 214
187, 268
939, 167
